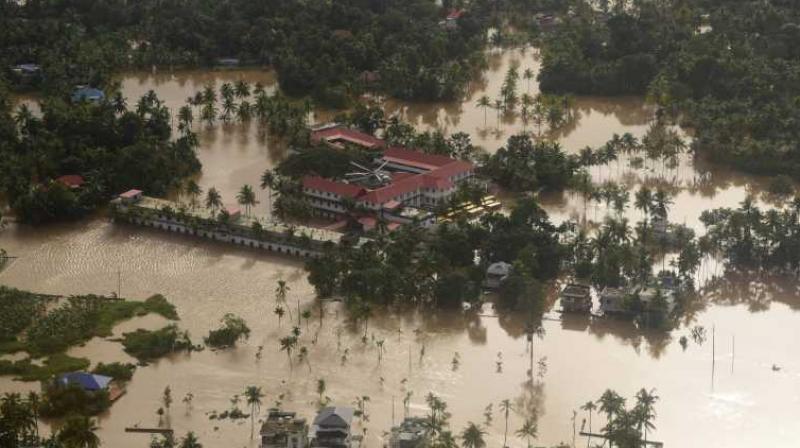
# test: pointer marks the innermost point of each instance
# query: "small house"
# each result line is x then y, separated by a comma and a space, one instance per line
86, 381
331, 428
496, 273
284, 430
656, 300
87, 94
71, 181
576, 298
412, 433
612, 300
131, 196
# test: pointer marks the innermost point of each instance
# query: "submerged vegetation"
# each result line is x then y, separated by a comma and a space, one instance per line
48, 331
330, 56
726, 69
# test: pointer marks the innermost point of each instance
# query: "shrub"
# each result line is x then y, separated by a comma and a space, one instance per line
116, 370
233, 328
60, 400
148, 345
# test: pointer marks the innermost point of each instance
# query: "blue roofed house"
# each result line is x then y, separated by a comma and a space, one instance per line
89, 94
331, 428
86, 381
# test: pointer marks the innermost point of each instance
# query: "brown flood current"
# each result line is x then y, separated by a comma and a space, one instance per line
745, 404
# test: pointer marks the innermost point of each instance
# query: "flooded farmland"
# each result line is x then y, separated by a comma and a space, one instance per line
746, 402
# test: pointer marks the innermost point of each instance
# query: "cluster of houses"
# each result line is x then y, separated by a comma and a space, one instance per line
332, 428
407, 185
658, 298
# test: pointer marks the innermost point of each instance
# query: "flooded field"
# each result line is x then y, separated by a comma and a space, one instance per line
746, 403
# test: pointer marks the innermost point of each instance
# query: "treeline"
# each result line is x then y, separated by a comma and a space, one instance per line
413, 267
318, 48
727, 69
111, 147
750, 239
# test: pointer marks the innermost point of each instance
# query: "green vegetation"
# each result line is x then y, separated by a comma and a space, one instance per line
59, 400
20, 309
116, 370
30, 370
48, 333
111, 147
726, 69
413, 267
146, 345
751, 239
232, 330
328, 56
525, 165
84, 317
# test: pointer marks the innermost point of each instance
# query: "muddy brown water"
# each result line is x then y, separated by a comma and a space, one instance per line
747, 403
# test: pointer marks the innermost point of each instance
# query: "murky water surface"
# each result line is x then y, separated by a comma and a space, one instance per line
745, 404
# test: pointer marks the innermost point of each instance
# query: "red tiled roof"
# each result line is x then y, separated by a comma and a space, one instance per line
71, 180
416, 159
349, 135
452, 169
130, 194
440, 183
455, 14
331, 186
393, 190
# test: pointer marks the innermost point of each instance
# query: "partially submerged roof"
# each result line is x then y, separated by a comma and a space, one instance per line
87, 94
343, 133
87, 381
130, 194
71, 180
334, 417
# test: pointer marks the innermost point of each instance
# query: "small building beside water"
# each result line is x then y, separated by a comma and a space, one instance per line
331, 428
411, 433
576, 298
284, 429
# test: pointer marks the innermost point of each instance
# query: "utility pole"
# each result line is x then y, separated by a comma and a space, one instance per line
713, 354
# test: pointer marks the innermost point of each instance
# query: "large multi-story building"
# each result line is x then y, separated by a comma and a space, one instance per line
417, 182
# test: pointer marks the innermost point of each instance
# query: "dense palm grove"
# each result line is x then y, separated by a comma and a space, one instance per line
321, 48
111, 146
728, 69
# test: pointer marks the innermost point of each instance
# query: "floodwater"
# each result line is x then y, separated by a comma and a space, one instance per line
746, 403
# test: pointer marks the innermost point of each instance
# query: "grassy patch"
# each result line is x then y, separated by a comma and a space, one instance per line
147, 345
26, 324
55, 364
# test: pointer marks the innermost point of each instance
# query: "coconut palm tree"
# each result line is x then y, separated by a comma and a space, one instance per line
527, 75
287, 344
645, 410
281, 292
242, 89
246, 198
505, 406
213, 199
611, 404
529, 430
472, 436
589, 407
185, 118
485, 103
279, 311
253, 396
194, 191
78, 432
